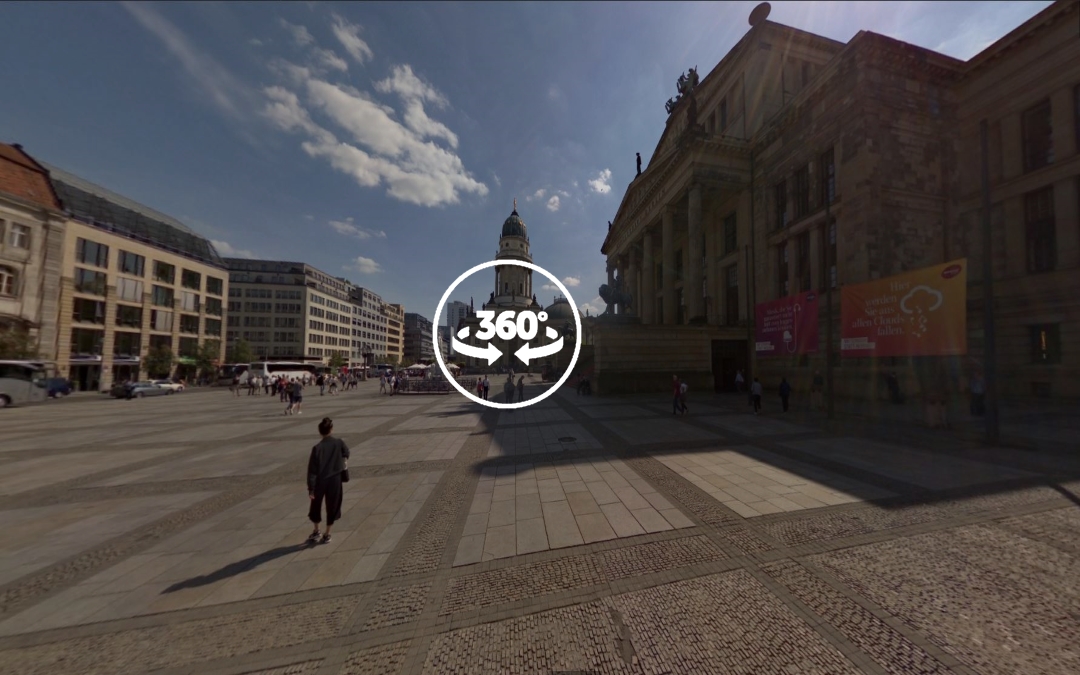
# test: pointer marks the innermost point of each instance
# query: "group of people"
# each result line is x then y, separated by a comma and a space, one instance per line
290, 390
389, 382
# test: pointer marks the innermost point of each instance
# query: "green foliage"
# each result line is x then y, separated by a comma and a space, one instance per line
337, 361
240, 352
17, 343
158, 362
206, 357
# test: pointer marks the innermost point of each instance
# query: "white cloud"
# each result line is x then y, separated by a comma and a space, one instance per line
549, 287
553, 93
207, 73
348, 228
553, 203
415, 92
600, 183
571, 282
300, 34
329, 59
226, 250
364, 266
348, 34
309, 217
539, 194
495, 177
593, 307
255, 42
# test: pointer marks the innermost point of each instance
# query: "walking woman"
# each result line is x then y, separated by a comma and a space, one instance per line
324, 479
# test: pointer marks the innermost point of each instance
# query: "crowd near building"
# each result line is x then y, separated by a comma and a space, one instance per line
803, 167
94, 283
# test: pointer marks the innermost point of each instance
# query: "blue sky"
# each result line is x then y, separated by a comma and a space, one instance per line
385, 142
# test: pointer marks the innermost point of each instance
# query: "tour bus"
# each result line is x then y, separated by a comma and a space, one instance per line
226, 373
22, 382
286, 369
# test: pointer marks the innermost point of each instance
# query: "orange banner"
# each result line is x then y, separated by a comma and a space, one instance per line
919, 313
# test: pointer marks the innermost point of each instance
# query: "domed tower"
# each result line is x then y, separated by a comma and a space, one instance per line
513, 285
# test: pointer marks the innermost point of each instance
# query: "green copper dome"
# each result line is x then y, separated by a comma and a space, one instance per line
560, 310
514, 226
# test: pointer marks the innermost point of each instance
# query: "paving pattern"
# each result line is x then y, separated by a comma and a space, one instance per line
582, 534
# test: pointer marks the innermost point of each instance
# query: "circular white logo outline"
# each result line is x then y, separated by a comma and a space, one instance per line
577, 336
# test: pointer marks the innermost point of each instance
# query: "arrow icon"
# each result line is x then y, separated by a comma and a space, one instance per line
527, 353
491, 352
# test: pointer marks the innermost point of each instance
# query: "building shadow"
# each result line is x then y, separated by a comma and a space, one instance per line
238, 567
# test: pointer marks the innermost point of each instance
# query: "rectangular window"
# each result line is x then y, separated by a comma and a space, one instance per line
731, 235
159, 341
19, 236
189, 302
130, 263
129, 289
189, 323
88, 311
1046, 343
8, 281
129, 316
1038, 140
161, 320
126, 344
91, 253
212, 327
162, 297
783, 284
89, 282
164, 272
192, 280
732, 295
802, 192
780, 200
86, 342
723, 115
232, 320
213, 306
214, 286
678, 265
802, 252
828, 177
189, 347
1039, 227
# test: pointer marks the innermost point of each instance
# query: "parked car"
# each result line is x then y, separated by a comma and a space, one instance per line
58, 386
169, 384
138, 390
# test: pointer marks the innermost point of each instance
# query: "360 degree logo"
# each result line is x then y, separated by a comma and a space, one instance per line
509, 324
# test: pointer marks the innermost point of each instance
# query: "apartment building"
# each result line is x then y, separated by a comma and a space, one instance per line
419, 341
369, 326
289, 310
395, 332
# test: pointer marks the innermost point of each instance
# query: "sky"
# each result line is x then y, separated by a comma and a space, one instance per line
385, 142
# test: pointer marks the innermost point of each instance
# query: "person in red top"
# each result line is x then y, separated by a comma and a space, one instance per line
676, 396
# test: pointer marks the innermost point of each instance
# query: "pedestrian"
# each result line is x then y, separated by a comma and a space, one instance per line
508, 389
382, 383
755, 395
676, 391
739, 381
479, 388
322, 384
683, 388
815, 390
326, 472
235, 388
785, 393
521, 389
978, 395
487, 387
297, 397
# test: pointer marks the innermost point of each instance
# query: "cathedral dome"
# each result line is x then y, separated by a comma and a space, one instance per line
560, 310
514, 226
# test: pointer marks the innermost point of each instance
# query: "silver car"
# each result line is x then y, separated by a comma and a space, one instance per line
144, 389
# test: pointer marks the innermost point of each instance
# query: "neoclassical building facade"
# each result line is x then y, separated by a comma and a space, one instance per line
802, 163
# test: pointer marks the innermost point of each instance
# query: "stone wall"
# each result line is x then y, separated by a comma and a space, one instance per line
632, 358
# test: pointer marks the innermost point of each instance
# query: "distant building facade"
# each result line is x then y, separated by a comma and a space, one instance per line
369, 328
731, 210
419, 338
395, 332
456, 312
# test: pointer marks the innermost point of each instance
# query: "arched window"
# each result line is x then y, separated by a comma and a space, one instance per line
8, 281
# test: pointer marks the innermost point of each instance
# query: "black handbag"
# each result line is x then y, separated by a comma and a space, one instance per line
345, 473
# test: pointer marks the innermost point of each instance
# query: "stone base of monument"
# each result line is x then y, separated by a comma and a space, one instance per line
630, 357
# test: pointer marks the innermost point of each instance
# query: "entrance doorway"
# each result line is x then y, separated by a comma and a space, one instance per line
728, 358
86, 378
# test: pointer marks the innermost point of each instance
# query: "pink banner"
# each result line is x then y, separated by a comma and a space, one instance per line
788, 326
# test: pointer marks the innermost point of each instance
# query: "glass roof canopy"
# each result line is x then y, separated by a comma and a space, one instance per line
114, 213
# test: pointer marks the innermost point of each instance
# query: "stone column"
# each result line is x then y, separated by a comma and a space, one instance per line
817, 258
647, 303
632, 283
712, 276
694, 302
109, 339
667, 244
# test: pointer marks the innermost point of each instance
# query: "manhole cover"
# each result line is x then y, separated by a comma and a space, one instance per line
567, 439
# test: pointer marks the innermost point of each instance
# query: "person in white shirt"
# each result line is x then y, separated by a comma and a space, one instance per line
755, 393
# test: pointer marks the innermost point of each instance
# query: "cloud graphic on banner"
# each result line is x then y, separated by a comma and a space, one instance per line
913, 303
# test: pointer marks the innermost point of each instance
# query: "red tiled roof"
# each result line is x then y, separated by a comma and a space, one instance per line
22, 177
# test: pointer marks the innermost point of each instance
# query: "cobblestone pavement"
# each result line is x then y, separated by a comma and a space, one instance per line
585, 535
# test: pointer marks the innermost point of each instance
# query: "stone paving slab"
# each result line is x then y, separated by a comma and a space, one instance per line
546, 438
931, 470
753, 426
31, 474
534, 414
617, 411
236, 460
744, 480
376, 450
658, 430
525, 508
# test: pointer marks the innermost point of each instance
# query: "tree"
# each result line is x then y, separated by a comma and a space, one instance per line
17, 343
337, 361
240, 352
206, 357
159, 361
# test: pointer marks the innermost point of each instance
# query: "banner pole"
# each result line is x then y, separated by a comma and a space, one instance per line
830, 401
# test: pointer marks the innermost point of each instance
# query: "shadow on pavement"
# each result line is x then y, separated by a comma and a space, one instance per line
232, 569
